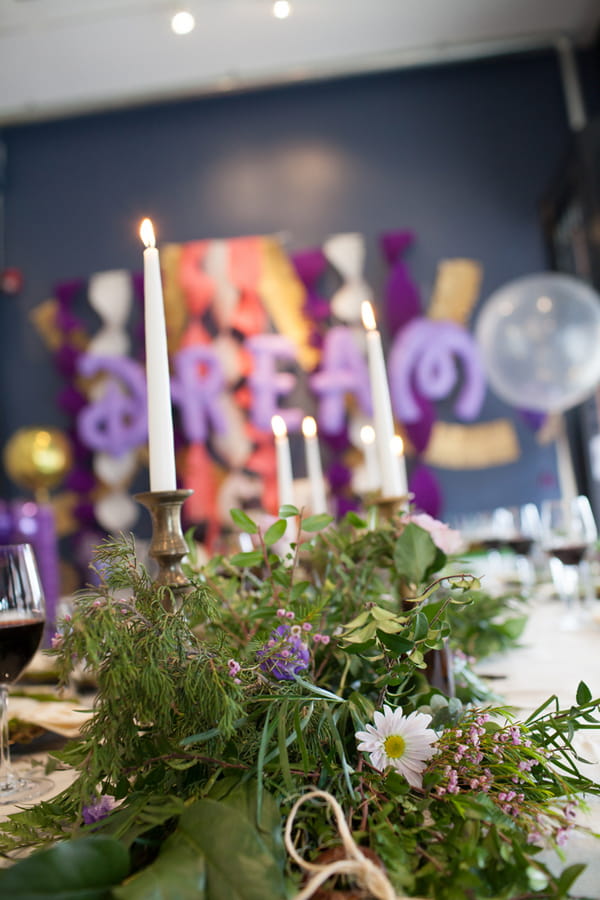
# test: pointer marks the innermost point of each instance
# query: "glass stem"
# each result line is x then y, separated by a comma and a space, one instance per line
6, 775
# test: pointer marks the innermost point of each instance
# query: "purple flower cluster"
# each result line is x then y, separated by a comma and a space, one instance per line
285, 654
98, 810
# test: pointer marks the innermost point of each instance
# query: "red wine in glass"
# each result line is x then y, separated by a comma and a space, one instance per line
22, 614
19, 639
569, 554
520, 545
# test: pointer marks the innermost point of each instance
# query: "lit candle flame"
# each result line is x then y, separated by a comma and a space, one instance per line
367, 434
368, 316
309, 427
397, 445
279, 427
147, 233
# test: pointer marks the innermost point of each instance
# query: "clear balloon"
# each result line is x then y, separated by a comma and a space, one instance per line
540, 341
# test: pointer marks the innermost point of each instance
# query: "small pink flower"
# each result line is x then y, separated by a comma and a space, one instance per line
447, 539
234, 667
306, 626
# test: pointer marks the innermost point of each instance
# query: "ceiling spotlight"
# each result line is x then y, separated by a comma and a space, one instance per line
183, 22
282, 9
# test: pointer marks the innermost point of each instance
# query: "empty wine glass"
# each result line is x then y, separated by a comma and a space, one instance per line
568, 530
22, 619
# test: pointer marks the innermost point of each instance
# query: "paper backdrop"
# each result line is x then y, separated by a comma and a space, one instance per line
253, 331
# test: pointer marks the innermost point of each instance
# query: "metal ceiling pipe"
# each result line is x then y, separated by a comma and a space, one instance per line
571, 84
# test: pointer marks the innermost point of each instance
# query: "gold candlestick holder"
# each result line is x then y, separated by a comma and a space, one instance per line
383, 509
168, 546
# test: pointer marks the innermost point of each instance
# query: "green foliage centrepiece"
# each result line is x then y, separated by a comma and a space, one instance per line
218, 708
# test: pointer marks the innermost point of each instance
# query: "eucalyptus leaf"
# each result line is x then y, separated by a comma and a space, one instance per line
288, 510
395, 642
584, 695
275, 532
317, 522
569, 876
421, 626
83, 869
250, 558
355, 520
243, 521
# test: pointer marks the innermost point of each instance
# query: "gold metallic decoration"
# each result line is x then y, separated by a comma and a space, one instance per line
480, 446
380, 510
65, 504
44, 319
38, 459
389, 507
456, 290
168, 546
283, 296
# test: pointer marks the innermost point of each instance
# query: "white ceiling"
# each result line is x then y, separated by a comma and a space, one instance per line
64, 57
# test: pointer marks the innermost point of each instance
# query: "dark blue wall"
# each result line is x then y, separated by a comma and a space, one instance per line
460, 154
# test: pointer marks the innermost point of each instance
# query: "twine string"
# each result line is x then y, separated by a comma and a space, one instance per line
356, 864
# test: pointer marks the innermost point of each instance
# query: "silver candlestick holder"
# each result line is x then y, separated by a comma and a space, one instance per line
168, 546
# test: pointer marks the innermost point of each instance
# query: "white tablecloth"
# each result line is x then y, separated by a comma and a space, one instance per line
550, 661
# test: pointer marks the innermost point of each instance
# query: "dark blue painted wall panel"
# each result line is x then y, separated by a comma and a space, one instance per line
460, 154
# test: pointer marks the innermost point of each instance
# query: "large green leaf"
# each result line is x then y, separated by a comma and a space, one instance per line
239, 861
218, 852
243, 798
83, 869
414, 554
178, 873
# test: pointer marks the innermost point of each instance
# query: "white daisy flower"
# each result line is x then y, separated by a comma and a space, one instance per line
403, 743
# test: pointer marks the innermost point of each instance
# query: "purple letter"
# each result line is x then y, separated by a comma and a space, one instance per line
343, 371
196, 386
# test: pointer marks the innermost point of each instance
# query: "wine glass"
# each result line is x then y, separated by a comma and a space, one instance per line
568, 530
520, 528
22, 619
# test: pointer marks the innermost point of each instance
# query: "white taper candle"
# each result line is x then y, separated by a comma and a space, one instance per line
161, 445
285, 480
391, 482
314, 469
